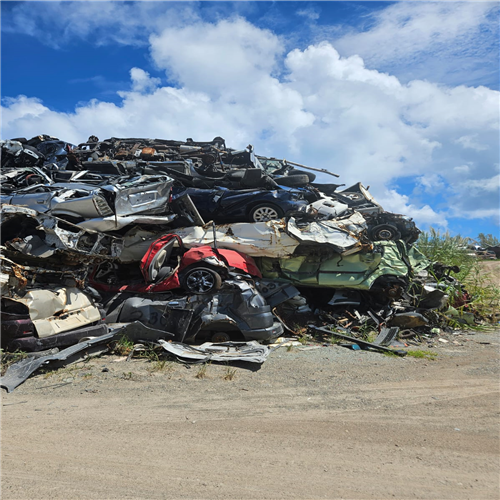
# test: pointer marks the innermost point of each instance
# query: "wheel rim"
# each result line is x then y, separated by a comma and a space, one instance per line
200, 281
263, 214
385, 234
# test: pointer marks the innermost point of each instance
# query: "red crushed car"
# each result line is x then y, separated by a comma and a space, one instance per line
167, 265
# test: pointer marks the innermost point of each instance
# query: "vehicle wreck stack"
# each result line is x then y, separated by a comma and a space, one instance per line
196, 242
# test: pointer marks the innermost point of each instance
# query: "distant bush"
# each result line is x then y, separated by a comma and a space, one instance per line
454, 251
449, 250
487, 240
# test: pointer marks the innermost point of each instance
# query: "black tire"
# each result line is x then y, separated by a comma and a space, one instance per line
310, 175
264, 212
354, 197
384, 232
201, 280
293, 180
219, 337
269, 183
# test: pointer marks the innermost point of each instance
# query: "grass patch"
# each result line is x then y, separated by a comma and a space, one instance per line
418, 353
9, 358
334, 339
390, 354
229, 373
303, 339
450, 250
161, 365
123, 346
202, 371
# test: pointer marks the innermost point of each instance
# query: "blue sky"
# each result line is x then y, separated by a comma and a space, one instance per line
402, 96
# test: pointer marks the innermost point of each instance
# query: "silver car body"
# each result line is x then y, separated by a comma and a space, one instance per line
275, 238
126, 197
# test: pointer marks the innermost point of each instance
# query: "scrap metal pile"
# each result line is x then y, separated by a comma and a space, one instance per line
199, 242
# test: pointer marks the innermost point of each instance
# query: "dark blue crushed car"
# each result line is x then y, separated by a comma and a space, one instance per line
55, 152
244, 205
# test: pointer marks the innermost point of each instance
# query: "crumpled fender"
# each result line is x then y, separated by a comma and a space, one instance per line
227, 258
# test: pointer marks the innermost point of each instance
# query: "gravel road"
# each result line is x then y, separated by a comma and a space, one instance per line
326, 422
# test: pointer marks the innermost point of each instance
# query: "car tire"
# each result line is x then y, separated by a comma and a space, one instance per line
219, 337
293, 180
200, 280
264, 212
310, 175
384, 232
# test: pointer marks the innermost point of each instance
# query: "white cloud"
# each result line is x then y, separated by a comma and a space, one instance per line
392, 201
309, 13
439, 41
462, 169
326, 111
431, 183
471, 142
142, 81
57, 23
407, 28
216, 58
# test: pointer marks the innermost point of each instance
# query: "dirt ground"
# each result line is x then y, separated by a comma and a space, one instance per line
491, 270
326, 422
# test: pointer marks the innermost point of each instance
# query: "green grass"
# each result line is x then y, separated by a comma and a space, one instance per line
418, 353
452, 251
202, 371
303, 339
123, 346
9, 358
161, 365
229, 373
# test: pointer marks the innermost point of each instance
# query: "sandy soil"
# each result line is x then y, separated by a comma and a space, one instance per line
491, 270
320, 423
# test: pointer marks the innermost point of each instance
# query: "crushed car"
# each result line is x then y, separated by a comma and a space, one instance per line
223, 205
177, 242
166, 265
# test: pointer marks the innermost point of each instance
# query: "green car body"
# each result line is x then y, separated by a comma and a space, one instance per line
358, 270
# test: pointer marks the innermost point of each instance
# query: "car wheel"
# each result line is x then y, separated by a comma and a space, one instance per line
265, 212
293, 180
201, 280
310, 175
353, 198
384, 232
219, 337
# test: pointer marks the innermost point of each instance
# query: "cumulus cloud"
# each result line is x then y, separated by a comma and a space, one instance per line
310, 105
425, 216
215, 58
142, 81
